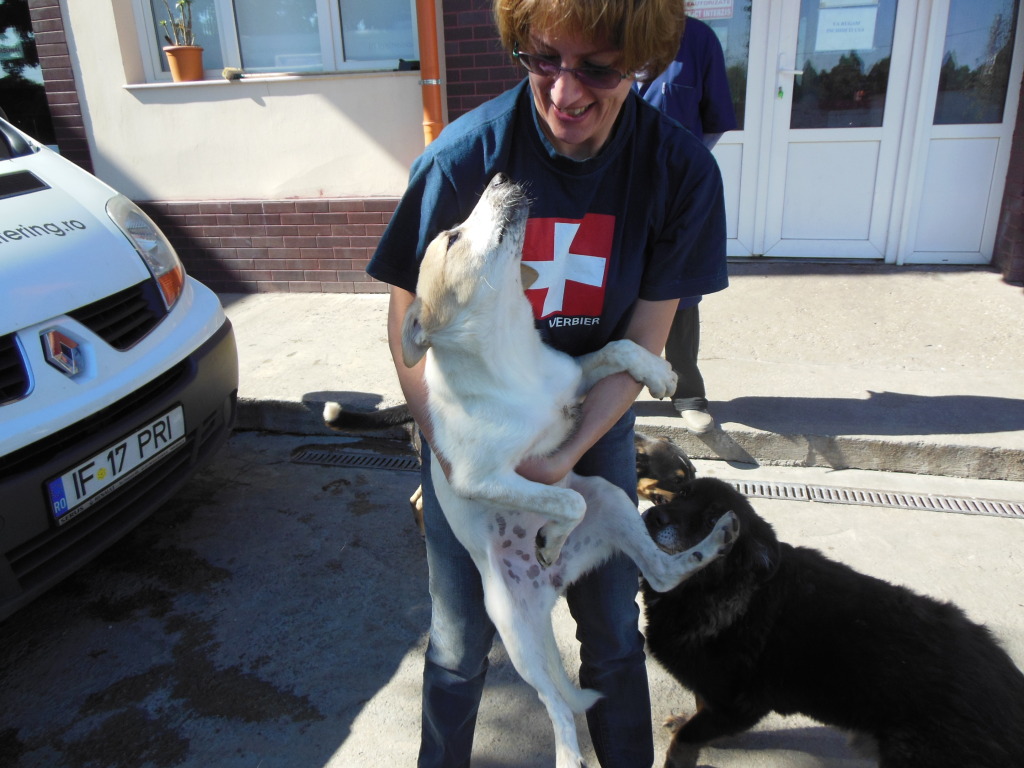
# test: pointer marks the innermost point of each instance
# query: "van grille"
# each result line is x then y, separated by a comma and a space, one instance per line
14, 381
42, 450
124, 318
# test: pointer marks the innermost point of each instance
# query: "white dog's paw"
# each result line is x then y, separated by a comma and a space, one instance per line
552, 535
652, 371
662, 382
549, 546
674, 569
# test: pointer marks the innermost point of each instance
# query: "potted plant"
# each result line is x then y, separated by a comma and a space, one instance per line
184, 57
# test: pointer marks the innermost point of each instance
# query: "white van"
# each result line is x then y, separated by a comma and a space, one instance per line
118, 372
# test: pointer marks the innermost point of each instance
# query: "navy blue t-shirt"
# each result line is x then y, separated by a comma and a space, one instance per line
644, 219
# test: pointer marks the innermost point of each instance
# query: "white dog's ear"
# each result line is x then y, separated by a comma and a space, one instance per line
415, 341
528, 275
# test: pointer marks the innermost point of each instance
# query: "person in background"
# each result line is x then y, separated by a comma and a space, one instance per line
626, 217
695, 91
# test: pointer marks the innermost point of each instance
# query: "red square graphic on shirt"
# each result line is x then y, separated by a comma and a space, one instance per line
571, 259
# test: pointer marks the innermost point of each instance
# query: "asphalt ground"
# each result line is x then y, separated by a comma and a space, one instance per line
275, 614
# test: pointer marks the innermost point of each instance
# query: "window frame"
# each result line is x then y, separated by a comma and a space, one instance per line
331, 43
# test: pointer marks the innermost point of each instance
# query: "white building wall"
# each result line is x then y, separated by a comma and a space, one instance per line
351, 135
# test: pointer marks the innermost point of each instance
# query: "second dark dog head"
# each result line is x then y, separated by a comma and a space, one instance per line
662, 468
685, 520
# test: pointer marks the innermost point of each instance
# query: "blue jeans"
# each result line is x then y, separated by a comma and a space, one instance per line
603, 603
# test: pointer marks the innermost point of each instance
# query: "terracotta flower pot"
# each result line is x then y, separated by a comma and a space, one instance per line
185, 62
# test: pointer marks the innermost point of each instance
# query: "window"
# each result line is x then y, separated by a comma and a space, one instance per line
732, 26
844, 49
290, 35
975, 71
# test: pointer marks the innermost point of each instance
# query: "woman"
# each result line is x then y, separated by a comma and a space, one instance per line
626, 218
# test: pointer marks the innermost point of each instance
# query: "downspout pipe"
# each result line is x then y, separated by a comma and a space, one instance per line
430, 69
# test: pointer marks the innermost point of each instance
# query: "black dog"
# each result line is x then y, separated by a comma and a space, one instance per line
774, 627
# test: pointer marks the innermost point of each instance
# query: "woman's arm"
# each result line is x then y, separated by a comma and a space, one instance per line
609, 399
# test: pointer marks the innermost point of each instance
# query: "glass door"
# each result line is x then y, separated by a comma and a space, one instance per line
869, 129
838, 80
966, 121
740, 27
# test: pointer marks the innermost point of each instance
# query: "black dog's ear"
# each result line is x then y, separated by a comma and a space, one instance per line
764, 557
758, 545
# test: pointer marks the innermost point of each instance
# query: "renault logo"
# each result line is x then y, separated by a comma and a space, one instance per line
62, 352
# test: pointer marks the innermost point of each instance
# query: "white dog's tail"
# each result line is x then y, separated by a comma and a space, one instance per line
578, 699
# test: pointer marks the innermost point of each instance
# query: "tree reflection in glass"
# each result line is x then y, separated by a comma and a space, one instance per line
843, 87
976, 61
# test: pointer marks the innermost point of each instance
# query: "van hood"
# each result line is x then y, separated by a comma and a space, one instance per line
58, 249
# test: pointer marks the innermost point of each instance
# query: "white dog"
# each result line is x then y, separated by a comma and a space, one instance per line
497, 395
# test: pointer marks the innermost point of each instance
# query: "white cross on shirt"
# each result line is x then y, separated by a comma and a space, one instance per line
565, 266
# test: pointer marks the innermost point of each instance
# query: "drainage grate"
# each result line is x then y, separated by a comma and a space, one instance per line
335, 458
768, 490
834, 495
825, 494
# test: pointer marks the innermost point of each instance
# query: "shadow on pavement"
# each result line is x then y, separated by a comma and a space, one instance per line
882, 413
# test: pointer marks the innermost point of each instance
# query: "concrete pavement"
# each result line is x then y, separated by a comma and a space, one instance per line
275, 612
906, 380
900, 369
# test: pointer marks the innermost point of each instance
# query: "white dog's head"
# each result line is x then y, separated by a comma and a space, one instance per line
483, 254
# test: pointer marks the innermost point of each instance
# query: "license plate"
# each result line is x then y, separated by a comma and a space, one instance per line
82, 486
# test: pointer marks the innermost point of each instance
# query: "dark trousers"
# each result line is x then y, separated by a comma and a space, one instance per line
681, 352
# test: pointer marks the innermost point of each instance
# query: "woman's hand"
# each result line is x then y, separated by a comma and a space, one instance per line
608, 400
549, 469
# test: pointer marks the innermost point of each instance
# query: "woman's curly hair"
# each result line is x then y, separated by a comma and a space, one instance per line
647, 32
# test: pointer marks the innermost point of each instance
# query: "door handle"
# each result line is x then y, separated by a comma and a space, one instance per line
782, 71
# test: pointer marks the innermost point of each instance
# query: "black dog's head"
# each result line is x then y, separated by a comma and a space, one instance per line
685, 520
663, 469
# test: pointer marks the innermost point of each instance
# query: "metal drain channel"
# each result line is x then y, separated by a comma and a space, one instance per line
867, 498
332, 458
755, 489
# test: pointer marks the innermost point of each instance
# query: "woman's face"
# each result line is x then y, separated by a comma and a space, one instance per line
576, 119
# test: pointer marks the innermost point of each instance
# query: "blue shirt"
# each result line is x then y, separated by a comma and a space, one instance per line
695, 88
644, 219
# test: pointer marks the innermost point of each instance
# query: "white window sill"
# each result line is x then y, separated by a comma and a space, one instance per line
215, 79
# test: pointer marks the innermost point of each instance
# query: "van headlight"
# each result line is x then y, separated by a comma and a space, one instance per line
154, 248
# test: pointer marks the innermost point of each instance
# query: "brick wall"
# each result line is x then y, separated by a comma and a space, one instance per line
59, 81
261, 246
477, 68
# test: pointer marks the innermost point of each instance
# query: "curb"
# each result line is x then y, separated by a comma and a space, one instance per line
732, 443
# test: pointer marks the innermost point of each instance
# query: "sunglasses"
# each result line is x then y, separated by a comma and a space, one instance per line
601, 78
